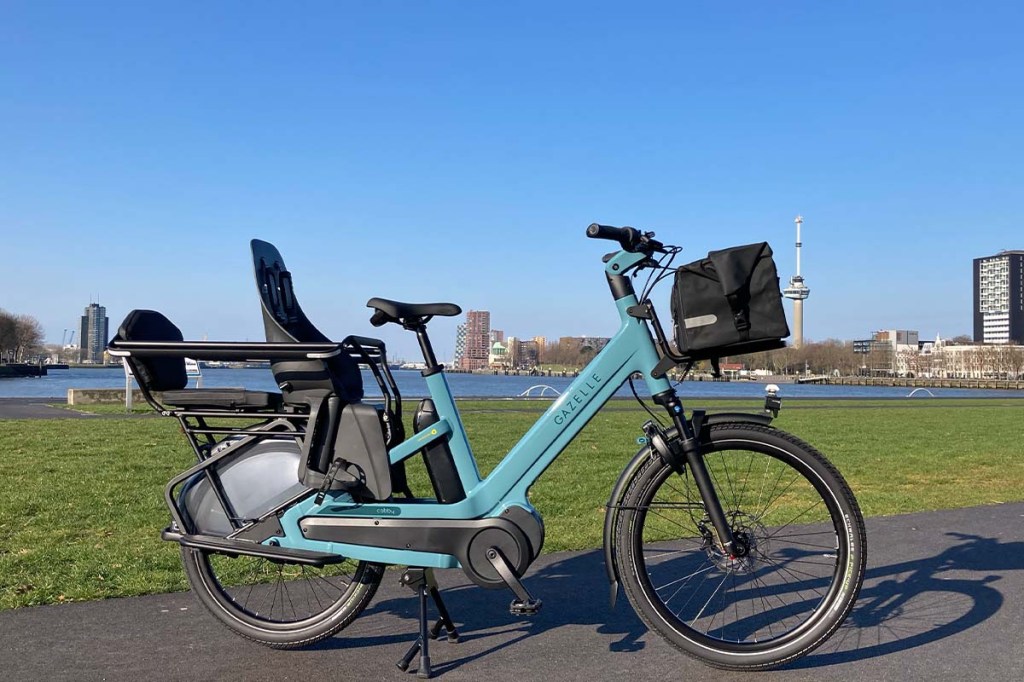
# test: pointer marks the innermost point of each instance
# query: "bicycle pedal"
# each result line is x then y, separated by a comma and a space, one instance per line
530, 607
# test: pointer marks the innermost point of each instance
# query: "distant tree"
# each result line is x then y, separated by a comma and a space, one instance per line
8, 334
989, 356
586, 354
962, 340
780, 361
28, 336
20, 336
1016, 361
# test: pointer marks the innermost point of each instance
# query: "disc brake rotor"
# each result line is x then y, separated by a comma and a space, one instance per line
751, 541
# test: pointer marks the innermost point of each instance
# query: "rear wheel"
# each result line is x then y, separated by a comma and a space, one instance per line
794, 572
282, 605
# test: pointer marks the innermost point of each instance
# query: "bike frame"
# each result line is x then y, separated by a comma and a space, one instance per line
631, 350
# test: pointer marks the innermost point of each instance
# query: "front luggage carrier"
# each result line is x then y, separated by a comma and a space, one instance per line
234, 547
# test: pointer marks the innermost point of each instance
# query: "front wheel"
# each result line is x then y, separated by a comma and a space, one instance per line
796, 567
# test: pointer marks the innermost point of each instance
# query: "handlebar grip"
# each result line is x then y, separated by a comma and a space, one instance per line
595, 231
627, 237
379, 319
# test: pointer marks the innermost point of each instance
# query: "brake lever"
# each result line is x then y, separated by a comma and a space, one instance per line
652, 244
647, 262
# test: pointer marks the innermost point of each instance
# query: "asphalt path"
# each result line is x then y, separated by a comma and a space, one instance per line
38, 408
942, 601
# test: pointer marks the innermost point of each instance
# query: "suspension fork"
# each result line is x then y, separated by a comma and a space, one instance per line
686, 451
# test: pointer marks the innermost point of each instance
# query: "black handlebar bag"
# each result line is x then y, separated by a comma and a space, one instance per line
729, 304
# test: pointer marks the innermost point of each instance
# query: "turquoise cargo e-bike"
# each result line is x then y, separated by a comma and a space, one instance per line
736, 542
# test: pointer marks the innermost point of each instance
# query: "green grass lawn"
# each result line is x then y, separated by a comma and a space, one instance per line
81, 500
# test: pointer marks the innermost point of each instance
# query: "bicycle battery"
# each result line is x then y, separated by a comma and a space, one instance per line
438, 457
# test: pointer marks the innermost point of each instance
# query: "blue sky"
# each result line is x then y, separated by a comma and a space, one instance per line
456, 151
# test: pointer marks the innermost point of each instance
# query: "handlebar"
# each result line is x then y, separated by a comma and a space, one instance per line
630, 238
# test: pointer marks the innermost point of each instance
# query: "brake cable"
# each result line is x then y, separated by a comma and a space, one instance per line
659, 270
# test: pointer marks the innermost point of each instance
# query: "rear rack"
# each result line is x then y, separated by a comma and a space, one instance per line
368, 352
285, 421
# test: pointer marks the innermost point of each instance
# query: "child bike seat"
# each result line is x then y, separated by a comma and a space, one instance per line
166, 375
285, 322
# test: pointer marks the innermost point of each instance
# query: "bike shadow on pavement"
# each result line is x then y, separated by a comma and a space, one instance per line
575, 591
913, 603
901, 606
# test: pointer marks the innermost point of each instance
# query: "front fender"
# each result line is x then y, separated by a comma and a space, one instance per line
630, 472
611, 515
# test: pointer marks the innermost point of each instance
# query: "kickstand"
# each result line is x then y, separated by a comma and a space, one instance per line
422, 581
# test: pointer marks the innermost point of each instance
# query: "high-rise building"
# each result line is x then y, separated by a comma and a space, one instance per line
93, 336
542, 344
497, 335
460, 345
478, 340
999, 298
526, 354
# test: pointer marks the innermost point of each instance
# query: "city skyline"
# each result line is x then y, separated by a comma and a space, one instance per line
1013, 277
424, 156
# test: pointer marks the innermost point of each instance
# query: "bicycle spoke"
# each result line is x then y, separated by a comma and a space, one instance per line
774, 498
800, 515
746, 479
764, 603
662, 553
701, 612
271, 592
798, 581
728, 479
684, 579
688, 496
694, 593
673, 522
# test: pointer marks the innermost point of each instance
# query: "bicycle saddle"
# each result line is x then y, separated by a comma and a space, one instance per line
394, 311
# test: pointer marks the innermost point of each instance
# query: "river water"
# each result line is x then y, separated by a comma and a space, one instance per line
412, 385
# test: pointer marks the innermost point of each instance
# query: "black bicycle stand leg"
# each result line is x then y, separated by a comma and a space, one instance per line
421, 643
424, 671
422, 581
417, 579
403, 664
444, 620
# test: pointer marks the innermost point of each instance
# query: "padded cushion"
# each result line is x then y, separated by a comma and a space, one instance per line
222, 398
155, 373
398, 310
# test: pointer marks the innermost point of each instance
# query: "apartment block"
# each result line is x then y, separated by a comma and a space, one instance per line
999, 298
94, 334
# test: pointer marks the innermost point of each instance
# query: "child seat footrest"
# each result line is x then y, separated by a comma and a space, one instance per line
222, 398
230, 546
